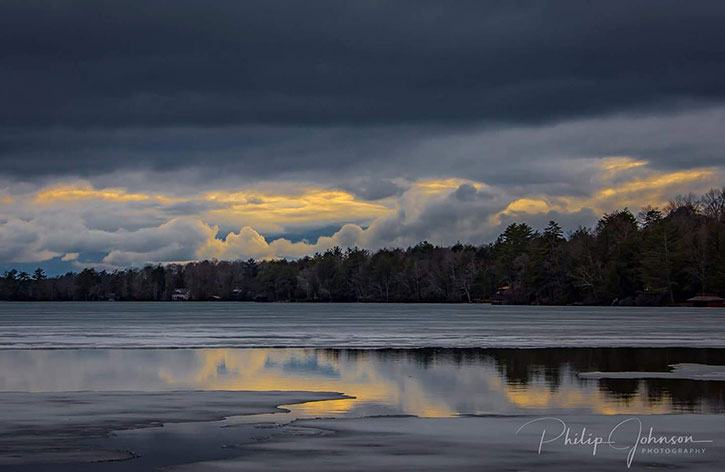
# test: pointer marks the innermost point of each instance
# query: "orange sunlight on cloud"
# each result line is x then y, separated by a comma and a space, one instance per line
84, 191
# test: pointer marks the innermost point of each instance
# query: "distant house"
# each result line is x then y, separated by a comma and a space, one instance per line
237, 294
706, 300
502, 295
181, 295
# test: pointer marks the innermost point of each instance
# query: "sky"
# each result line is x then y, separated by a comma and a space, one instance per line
162, 131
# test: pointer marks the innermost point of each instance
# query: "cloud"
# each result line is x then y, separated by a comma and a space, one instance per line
71, 256
362, 95
84, 191
273, 211
373, 188
367, 162
134, 228
173, 241
181, 62
174, 130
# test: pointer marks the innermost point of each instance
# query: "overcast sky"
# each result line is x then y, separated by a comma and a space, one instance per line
172, 130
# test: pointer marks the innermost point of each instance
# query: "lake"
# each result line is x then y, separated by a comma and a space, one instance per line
88, 383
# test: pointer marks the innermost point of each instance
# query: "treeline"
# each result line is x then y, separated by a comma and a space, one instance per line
657, 257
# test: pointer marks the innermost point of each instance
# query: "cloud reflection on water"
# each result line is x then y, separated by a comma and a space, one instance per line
421, 382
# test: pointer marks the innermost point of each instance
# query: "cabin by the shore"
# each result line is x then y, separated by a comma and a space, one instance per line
707, 300
502, 295
181, 295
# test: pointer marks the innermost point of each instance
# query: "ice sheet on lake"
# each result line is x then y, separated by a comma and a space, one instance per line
679, 371
475, 444
54, 427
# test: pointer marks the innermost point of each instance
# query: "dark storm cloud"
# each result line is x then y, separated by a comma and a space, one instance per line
80, 81
372, 189
169, 62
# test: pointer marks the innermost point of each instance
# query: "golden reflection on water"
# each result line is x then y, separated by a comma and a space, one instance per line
435, 390
299, 369
542, 398
433, 383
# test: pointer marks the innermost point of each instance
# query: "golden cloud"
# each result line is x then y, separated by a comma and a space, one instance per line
84, 191
267, 211
657, 182
619, 164
617, 186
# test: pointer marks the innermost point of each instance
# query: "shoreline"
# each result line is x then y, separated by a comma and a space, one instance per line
342, 302
369, 348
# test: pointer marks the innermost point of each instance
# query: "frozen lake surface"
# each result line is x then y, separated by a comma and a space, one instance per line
87, 386
76, 409
245, 325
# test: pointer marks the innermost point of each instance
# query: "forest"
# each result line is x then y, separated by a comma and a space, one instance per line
659, 256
